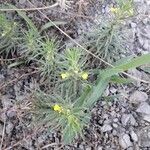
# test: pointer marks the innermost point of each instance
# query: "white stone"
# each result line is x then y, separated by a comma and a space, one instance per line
128, 119
124, 141
138, 96
9, 127
144, 108
146, 118
134, 136
106, 128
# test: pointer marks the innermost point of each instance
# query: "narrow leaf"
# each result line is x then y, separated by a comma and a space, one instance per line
49, 24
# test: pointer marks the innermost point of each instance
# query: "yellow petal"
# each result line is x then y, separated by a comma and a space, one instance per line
64, 75
84, 76
114, 10
58, 108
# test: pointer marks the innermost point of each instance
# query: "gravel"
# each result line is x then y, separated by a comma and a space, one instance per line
119, 124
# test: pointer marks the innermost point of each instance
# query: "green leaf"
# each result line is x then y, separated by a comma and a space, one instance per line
96, 92
81, 99
49, 24
68, 134
120, 80
133, 63
104, 78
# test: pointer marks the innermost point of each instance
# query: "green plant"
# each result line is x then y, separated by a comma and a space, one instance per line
60, 113
30, 45
123, 10
70, 113
73, 64
48, 57
107, 40
9, 35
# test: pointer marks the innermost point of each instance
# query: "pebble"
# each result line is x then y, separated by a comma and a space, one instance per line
114, 125
113, 90
128, 119
138, 96
124, 141
22, 1
116, 120
100, 148
9, 128
144, 108
114, 132
134, 136
106, 128
133, 25
7, 102
11, 113
146, 118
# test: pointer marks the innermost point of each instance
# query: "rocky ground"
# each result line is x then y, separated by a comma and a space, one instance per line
120, 122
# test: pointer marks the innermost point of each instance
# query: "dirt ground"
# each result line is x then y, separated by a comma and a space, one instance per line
121, 123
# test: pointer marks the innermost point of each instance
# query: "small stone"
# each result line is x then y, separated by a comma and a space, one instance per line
146, 44
2, 76
133, 121
106, 128
124, 141
148, 2
144, 108
138, 97
115, 120
11, 113
133, 25
134, 136
22, 1
9, 128
147, 118
114, 132
137, 74
113, 90
6, 102
100, 148
125, 118
115, 125
128, 119
145, 20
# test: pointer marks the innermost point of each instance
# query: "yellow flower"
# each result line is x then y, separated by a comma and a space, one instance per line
58, 108
64, 75
76, 71
114, 10
84, 75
